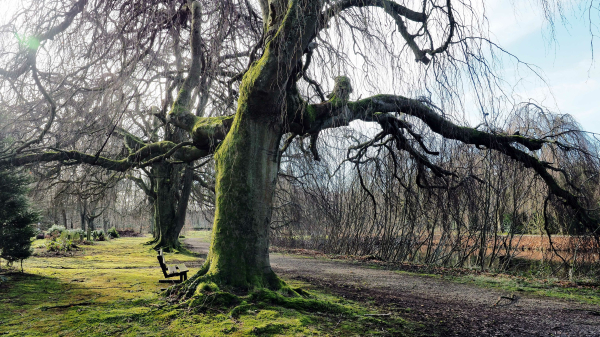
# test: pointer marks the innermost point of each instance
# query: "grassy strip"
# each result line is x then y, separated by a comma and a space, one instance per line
111, 288
539, 287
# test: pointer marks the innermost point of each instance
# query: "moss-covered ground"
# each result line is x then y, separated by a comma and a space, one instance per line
111, 289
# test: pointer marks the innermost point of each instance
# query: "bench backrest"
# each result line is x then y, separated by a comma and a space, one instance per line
161, 261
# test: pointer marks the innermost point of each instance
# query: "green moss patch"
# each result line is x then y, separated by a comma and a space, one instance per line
112, 289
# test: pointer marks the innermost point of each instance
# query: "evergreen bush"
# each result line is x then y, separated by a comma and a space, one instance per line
98, 235
112, 233
77, 234
16, 217
56, 229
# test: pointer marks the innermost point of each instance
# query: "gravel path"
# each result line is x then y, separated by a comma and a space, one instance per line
450, 308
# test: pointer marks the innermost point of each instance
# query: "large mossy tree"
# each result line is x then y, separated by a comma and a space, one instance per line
272, 109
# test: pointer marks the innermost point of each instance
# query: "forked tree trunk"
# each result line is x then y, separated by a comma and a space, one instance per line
247, 164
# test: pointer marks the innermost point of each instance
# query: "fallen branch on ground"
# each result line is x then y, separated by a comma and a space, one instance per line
511, 298
44, 308
378, 315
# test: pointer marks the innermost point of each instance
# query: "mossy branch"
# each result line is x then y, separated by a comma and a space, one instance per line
288, 36
132, 142
382, 109
180, 114
378, 108
142, 157
206, 132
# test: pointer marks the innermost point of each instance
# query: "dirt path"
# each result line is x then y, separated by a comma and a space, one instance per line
454, 309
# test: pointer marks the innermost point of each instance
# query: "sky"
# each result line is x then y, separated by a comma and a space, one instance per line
572, 76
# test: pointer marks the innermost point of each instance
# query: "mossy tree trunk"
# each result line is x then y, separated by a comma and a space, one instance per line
164, 205
173, 187
247, 164
247, 160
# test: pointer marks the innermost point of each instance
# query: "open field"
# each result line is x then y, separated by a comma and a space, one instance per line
111, 289
537, 247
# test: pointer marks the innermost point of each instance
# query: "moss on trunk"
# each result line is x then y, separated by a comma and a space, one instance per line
247, 160
172, 195
247, 165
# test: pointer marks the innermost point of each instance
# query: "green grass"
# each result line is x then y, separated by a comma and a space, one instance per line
538, 287
112, 289
204, 235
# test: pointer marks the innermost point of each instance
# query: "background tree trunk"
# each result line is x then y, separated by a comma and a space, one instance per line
165, 215
173, 189
64, 218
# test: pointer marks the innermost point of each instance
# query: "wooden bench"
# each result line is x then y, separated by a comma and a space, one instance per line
171, 271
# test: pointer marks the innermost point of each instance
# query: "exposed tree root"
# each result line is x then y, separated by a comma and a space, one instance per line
167, 247
151, 242
201, 294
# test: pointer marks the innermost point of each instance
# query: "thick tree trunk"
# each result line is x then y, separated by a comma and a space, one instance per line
170, 210
247, 160
247, 163
165, 216
153, 226
182, 204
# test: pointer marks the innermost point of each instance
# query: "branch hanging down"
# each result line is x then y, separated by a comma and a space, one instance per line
34, 42
384, 109
53, 108
399, 14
